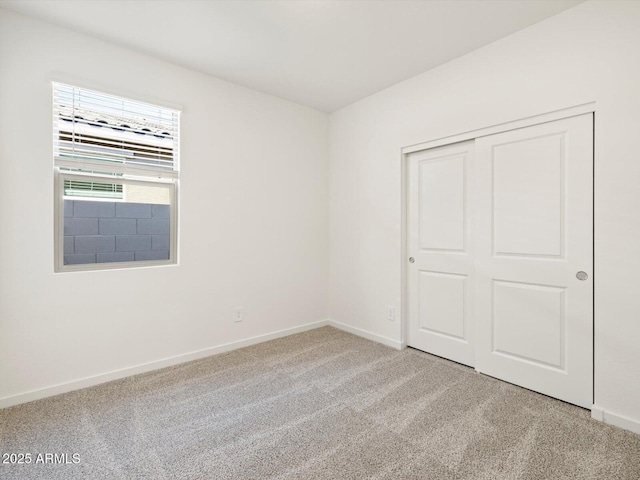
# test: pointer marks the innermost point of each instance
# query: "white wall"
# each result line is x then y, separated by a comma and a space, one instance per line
589, 53
259, 163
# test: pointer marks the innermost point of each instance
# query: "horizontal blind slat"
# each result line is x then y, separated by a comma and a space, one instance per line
100, 167
114, 149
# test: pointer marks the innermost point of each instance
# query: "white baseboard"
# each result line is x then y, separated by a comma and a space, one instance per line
368, 335
598, 413
147, 367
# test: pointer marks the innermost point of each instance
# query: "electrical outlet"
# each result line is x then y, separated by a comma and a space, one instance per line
238, 314
391, 313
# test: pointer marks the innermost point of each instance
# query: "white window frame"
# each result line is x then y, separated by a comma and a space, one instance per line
122, 175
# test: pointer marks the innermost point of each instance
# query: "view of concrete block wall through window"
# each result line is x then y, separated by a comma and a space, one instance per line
105, 232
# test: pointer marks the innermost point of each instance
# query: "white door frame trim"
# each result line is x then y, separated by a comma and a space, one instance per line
502, 127
462, 137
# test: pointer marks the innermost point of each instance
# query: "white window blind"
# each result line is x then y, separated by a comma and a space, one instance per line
90, 189
97, 132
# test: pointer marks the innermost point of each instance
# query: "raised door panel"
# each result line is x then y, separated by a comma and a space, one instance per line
442, 304
441, 203
528, 197
528, 323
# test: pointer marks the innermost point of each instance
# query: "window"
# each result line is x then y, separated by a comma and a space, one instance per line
116, 168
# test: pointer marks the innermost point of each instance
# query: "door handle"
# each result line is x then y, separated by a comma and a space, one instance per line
412, 260
582, 275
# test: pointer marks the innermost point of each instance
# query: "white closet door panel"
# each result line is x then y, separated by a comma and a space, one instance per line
534, 233
439, 228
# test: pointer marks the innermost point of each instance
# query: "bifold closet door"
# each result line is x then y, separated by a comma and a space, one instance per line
440, 272
534, 257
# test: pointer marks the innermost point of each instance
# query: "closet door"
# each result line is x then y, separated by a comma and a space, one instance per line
440, 272
534, 258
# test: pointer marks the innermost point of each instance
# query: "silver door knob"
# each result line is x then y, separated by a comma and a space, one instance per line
582, 275
412, 260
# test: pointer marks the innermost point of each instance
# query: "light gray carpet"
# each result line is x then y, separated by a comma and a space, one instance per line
318, 405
